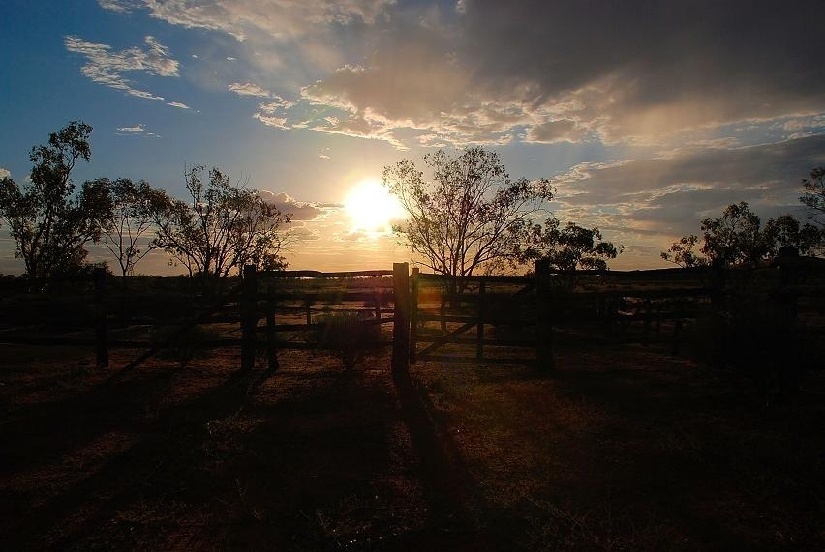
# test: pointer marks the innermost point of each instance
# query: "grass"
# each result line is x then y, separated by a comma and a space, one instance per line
624, 447
628, 448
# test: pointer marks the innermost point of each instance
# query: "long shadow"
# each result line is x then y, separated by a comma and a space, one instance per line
308, 453
448, 486
40, 434
165, 452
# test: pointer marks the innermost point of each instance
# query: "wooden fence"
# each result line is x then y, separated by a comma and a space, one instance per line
501, 319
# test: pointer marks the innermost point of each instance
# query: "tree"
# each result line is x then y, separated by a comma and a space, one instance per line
786, 231
468, 216
50, 223
735, 238
682, 253
128, 228
570, 247
738, 239
814, 196
221, 229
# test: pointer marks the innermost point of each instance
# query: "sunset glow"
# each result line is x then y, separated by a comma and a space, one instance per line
371, 208
664, 117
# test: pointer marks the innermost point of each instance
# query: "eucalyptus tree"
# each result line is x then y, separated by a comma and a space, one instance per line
569, 247
50, 220
128, 232
467, 215
220, 228
738, 238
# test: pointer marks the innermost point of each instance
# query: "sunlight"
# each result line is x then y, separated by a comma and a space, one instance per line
372, 208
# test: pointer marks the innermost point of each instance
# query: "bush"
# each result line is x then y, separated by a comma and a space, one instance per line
347, 335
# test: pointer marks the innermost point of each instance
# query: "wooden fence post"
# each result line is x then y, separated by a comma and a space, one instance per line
401, 317
544, 317
413, 314
101, 333
249, 317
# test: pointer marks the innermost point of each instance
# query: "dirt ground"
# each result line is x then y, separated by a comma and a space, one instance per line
624, 447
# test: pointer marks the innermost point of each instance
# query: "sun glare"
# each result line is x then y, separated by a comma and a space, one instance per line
372, 208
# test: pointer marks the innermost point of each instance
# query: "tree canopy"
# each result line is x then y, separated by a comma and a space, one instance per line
569, 247
737, 238
128, 231
467, 215
221, 228
50, 222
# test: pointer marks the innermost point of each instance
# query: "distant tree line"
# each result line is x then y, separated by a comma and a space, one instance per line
219, 228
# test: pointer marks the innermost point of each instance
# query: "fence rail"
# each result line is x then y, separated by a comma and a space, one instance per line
493, 313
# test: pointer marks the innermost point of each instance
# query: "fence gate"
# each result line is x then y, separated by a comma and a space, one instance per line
492, 320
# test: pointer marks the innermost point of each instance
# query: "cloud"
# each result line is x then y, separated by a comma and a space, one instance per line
108, 67
120, 6
650, 202
179, 105
137, 130
491, 72
248, 89
5, 173
285, 203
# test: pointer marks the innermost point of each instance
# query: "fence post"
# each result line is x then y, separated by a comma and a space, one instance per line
249, 317
544, 317
401, 317
101, 333
480, 324
413, 314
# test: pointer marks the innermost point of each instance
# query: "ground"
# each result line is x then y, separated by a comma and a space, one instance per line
623, 447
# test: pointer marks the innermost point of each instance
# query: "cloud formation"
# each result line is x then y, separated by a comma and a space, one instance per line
491, 72
5, 173
287, 204
109, 67
137, 130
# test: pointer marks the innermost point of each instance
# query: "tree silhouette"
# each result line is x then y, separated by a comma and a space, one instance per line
468, 215
570, 247
128, 230
222, 228
50, 223
737, 238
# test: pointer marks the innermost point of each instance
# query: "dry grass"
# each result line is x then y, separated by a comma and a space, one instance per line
623, 448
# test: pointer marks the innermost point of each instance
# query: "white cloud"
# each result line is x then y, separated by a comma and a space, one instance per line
285, 203
120, 6
5, 173
179, 105
249, 89
134, 129
137, 130
109, 67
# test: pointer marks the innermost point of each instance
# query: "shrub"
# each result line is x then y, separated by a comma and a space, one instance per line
347, 335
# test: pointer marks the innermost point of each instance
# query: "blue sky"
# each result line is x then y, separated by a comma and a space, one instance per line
647, 115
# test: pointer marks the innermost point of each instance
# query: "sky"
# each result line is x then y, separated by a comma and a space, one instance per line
646, 115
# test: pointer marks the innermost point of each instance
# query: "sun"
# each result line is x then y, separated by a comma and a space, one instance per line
371, 208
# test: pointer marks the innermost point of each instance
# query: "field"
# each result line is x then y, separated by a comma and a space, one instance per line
624, 446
